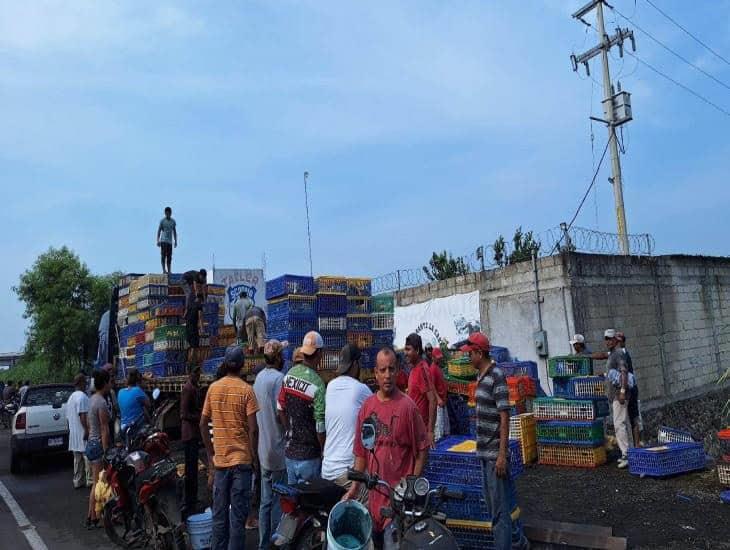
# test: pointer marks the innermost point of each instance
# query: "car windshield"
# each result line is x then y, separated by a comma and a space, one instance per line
47, 396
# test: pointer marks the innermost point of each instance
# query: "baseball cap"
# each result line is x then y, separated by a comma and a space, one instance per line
610, 333
348, 355
437, 353
274, 346
476, 342
578, 339
312, 342
234, 355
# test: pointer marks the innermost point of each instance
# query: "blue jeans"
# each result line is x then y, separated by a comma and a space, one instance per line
231, 487
303, 470
270, 507
498, 493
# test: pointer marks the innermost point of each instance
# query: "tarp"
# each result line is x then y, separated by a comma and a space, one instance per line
236, 280
439, 320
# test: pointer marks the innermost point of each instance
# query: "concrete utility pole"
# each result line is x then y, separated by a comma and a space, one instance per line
616, 106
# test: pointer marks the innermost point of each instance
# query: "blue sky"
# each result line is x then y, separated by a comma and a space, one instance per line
424, 125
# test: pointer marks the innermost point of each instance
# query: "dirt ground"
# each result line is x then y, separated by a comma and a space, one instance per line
679, 512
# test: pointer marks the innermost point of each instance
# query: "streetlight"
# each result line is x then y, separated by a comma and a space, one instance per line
309, 232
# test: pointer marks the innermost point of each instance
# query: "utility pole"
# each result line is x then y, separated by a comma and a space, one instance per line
309, 233
616, 106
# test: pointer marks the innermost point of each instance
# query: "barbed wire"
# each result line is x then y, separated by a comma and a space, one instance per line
575, 239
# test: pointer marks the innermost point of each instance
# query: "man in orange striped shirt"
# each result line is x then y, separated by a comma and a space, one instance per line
231, 406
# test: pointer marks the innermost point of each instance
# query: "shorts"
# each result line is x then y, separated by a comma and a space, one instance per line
193, 337
94, 450
166, 250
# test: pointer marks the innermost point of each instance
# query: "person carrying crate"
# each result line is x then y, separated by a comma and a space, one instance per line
255, 320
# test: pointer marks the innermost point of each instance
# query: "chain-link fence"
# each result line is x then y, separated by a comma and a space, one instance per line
577, 239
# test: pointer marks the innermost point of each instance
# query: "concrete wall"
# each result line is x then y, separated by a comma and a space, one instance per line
675, 311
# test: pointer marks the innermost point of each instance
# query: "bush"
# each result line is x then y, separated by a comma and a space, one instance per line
38, 372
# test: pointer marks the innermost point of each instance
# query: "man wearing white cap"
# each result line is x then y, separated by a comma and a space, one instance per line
617, 391
578, 342
301, 406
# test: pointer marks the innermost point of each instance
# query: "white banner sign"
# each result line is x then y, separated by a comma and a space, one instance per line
439, 320
236, 280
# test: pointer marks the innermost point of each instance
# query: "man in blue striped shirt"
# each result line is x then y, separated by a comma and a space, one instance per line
492, 397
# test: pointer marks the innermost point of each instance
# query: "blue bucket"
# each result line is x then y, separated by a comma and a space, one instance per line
200, 530
349, 526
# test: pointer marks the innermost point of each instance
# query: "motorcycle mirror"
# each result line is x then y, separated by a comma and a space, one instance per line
156, 394
368, 433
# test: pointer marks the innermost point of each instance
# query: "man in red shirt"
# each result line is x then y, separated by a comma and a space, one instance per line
401, 444
442, 427
420, 383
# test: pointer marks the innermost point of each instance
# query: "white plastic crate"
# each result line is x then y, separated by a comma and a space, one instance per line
723, 473
330, 359
382, 321
673, 435
332, 323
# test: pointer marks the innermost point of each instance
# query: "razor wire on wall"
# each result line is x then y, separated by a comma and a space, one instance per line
575, 239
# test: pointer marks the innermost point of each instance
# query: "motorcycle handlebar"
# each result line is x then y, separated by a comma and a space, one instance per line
354, 475
452, 495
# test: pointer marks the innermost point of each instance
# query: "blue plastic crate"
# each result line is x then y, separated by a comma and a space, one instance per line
285, 324
157, 357
175, 278
148, 347
216, 352
473, 507
359, 323
294, 337
167, 368
210, 308
367, 359
210, 366
666, 460
289, 284
334, 339
519, 368
562, 387
463, 469
458, 410
331, 304
499, 354
472, 538
292, 308
383, 337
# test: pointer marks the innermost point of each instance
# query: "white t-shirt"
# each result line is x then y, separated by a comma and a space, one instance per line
343, 400
76, 404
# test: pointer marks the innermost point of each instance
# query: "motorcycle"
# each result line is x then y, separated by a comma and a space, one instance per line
415, 522
305, 508
8, 410
144, 507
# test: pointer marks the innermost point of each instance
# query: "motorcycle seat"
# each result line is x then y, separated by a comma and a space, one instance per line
319, 493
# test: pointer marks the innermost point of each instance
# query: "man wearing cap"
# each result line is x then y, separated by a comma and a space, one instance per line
401, 444
633, 410
345, 395
271, 438
492, 427
301, 406
578, 343
231, 406
617, 391
420, 384
442, 427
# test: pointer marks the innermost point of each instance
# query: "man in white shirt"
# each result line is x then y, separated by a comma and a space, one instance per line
345, 395
77, 408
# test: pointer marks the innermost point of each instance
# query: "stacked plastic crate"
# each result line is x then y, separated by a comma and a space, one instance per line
212, 346
461, 384
454, 464
571, 428
523, 430
723, 465
676, 453
332, 318
520, 368
382, 307
291, 310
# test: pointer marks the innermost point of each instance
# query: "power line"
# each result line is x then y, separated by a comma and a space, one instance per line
583, 200
670, 50
675, 82
688, 33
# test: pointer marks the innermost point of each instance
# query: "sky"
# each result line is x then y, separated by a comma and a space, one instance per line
424, 125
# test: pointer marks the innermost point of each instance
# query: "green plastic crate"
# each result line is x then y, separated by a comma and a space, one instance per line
570, 365
169, 333
382, 303
576, 433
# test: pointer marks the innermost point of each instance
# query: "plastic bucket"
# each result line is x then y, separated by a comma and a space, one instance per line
349, 526
200, 530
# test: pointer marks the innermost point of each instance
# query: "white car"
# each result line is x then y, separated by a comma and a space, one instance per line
40, 426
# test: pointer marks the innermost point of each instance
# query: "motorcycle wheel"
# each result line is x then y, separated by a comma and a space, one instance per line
116, 524
172, 538
312, 538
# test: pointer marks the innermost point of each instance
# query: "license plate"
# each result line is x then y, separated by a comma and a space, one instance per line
55, 441
287, 528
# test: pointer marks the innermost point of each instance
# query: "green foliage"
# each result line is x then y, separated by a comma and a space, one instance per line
63, 302
444, 266
523, 246
37, 371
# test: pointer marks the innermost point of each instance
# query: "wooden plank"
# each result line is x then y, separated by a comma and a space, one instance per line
581, 536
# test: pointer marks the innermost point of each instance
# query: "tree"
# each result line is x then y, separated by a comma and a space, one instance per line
523, 245
63, 302
444, 266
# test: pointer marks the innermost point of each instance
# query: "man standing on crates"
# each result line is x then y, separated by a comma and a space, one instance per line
255, 320
492, 433
166, 238
240, 309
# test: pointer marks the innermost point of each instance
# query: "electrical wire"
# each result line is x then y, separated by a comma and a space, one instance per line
677, 83
585, 195
670, 50
688, 33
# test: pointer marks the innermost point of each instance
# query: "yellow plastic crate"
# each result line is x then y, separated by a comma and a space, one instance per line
523, 427
571, 455
143, 315
462, 369
328, 284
